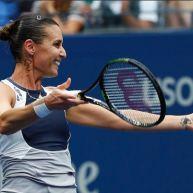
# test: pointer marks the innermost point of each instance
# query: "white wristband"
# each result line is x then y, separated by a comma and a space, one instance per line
42, 110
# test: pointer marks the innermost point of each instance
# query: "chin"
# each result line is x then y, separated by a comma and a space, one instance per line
52, 75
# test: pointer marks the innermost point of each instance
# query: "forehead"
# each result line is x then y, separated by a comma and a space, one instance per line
53, 33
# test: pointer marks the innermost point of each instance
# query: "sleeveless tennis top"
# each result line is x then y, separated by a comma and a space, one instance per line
39, 151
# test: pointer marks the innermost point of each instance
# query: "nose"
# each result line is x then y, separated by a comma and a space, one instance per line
63, 53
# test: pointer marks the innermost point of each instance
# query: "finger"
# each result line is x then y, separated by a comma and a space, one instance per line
63, 94
76, 101
74, 92
65, 85
69, 94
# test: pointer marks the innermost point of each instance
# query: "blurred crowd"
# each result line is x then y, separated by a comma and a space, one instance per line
77, 16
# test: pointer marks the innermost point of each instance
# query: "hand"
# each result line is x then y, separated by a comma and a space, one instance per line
65, 85
60, 98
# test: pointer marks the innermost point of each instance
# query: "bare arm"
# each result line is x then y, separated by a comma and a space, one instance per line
96, 116
11, 119
14, 119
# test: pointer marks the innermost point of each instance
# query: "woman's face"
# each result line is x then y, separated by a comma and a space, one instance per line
49, 53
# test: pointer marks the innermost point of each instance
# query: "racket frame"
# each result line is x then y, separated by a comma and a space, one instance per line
109, 106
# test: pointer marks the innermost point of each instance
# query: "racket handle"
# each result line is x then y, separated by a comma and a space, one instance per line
94, 101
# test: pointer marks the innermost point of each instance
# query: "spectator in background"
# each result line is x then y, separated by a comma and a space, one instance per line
104, 13
140, 14
67, 13
179, 13
8, 11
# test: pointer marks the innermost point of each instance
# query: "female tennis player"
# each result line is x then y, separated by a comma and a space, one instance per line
34, 119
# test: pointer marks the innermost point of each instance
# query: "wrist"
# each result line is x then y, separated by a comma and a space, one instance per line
41, 110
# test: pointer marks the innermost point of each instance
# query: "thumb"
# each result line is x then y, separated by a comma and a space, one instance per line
65, 85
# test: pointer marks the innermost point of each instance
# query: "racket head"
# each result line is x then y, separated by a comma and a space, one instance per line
132, 92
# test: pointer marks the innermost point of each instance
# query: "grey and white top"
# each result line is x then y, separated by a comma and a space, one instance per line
40, 151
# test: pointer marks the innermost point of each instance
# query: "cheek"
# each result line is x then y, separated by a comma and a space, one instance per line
42, 60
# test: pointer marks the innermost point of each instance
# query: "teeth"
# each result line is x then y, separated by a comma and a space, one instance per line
57, 63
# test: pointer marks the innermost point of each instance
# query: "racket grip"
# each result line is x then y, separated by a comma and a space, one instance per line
95, 101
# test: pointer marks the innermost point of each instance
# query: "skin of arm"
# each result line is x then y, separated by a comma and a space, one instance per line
78, 112
11, 120
96, 116
15, 119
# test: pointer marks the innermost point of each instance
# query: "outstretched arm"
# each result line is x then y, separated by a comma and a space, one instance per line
96, 116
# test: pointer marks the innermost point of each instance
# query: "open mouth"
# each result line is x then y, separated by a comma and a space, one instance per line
57, 62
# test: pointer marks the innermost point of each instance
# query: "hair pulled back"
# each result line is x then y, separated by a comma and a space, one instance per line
28, 26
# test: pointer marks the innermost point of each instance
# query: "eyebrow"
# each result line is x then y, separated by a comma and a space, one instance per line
58, 41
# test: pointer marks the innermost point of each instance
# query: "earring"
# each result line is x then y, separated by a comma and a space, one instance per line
28, 64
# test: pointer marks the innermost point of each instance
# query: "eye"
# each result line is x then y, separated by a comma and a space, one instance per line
57, 44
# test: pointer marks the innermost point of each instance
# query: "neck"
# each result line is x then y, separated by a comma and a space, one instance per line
27, 78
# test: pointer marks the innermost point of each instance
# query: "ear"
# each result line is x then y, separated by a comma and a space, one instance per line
29, 46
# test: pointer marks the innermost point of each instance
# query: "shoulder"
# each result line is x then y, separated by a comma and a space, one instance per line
7, 94
4, 87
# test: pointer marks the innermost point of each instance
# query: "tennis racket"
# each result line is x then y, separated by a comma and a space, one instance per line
130, 91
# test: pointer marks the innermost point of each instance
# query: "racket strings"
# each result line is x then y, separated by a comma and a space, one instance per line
132, 92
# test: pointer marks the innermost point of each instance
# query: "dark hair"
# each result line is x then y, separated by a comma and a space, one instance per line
28, 26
